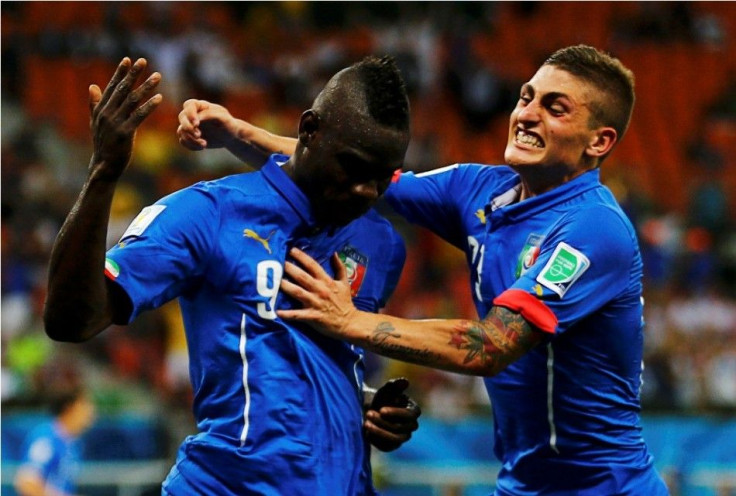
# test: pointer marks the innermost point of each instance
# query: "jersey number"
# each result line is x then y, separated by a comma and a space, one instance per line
476, 259
268, 279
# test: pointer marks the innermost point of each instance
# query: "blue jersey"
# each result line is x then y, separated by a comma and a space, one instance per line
54, 456
566, 415
278, 406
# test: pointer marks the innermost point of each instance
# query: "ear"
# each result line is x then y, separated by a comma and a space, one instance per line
601, 142
308, 126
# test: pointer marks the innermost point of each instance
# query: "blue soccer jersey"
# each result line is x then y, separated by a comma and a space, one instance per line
278, 406
54, 456
566, 415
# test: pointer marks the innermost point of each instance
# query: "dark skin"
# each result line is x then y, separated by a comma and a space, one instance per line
81, 302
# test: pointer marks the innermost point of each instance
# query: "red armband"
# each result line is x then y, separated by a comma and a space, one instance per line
533, 310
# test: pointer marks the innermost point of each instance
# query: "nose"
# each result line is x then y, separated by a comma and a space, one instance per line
529, 112
367, 190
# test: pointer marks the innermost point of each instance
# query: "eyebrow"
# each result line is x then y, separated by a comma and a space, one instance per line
551, 95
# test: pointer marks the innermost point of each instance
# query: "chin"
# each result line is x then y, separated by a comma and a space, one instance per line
515, 157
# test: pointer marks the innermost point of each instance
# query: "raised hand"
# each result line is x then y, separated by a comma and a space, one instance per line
115, 115
203, 124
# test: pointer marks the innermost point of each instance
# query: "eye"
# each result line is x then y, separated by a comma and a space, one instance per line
557, 109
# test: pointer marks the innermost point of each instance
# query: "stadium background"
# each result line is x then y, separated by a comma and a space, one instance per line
675, 173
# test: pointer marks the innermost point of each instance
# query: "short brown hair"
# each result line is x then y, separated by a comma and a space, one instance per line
608, 75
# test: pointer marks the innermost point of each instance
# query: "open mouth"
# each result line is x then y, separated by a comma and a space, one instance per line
523, 137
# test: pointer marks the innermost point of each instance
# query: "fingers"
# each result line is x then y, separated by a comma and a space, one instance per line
341, 273
146, 109
119, 103
387, 431
396, 416
123, 89
298, 292
95, 95
188, 132
311, 266
383, 437
190, 112
120, 72
139, 94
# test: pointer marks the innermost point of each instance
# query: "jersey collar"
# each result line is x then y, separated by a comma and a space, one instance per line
288, 189
545, 201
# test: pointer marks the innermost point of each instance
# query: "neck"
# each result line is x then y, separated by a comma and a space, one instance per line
535, 181
289, 168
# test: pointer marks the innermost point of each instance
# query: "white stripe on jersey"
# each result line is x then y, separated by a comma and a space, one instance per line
550, 410
437, 171
358, 382
246, 389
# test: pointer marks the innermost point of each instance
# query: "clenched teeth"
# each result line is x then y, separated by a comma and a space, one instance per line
528, 139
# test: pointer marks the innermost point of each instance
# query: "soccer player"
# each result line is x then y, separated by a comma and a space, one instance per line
52, 449
279, 407
555, 275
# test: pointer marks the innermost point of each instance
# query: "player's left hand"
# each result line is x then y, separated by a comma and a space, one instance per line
391, 417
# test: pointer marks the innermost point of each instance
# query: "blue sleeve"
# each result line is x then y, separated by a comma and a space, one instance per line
166, 249
585, 261
429, 200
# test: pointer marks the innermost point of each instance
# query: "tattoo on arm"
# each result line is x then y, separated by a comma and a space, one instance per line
385, 332
496, 341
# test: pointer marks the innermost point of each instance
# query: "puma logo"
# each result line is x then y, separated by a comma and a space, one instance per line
250, 233
481, 214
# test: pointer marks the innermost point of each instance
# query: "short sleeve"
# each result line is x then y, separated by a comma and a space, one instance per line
586, 261
444, 200
426, 199
165, 249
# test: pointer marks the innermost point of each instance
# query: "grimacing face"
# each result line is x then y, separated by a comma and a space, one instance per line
350, 164
550, 125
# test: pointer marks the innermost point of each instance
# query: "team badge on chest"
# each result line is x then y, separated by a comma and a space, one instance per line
356, 264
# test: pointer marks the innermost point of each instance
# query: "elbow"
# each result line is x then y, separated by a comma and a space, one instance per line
488, 368
58, 331
67, 328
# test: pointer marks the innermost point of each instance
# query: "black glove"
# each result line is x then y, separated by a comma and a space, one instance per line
391, 428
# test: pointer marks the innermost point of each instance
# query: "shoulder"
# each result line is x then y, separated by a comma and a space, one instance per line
602, 219
470, 171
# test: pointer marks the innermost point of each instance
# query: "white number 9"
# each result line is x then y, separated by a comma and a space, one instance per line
268, 279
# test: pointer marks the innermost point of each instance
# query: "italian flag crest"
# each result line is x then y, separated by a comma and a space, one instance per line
356, 264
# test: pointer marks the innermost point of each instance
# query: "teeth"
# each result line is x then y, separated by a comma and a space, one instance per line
528, 139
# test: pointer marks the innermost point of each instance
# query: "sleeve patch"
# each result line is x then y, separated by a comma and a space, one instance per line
143, 220
533, 310
563, 268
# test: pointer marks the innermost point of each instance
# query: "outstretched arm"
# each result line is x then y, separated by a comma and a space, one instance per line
484, 347
80, 301
203, 124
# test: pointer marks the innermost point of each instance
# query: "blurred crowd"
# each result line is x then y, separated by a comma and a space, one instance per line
463, 63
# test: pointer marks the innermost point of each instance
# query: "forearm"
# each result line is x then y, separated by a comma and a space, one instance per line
481, 348
77, 303
253, 145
